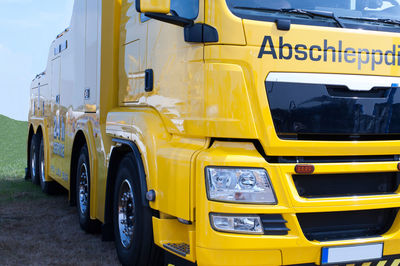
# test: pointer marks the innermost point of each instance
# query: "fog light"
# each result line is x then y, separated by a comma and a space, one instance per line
249, 224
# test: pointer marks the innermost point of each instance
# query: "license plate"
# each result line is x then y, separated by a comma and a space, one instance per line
342, 254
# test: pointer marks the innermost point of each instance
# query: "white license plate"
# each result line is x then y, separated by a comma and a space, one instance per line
352, 253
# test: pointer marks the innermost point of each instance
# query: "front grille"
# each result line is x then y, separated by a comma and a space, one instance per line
274, 224
331, 226
352, 184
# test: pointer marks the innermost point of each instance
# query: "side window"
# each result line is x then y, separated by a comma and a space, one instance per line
186, 8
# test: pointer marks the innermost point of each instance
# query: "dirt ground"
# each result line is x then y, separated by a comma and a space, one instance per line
45, 231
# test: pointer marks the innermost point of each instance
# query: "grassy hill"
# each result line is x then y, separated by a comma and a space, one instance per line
13, 187
13, 135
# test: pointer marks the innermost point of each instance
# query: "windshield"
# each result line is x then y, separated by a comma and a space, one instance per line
350, 12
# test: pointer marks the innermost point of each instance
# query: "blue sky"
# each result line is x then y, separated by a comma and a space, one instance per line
27, 28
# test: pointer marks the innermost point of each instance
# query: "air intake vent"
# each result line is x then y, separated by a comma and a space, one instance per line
331, 226
274, 224
336, 185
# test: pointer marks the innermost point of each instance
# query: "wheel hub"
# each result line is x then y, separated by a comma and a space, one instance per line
126, 213
83, 189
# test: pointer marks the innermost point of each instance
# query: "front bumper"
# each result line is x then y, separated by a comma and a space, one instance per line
216, 248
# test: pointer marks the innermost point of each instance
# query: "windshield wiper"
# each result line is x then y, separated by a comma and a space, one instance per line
310, 13
380, 20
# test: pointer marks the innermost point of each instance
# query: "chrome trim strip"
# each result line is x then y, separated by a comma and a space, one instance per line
353, 82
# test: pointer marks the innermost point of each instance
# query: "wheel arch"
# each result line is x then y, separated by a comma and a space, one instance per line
39, 131
124, 147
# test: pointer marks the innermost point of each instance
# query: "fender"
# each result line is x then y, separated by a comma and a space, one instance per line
142, 174
107, 228
161, 152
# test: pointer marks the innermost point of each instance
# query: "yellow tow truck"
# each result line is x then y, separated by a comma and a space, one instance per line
227, 132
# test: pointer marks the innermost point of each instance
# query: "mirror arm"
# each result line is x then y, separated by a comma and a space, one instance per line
179, 21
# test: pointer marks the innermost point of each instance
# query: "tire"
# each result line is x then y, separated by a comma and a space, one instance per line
34, 160
132, 221
48, 187
83, 192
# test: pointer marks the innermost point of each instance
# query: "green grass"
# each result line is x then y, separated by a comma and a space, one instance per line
18, 189
13, 139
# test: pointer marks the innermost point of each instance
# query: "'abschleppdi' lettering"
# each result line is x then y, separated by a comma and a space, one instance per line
330, 52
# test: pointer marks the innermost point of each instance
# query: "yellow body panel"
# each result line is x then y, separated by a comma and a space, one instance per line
208, 107
159, 149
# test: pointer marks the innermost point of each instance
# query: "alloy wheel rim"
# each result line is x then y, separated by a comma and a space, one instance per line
83, 188
126, 214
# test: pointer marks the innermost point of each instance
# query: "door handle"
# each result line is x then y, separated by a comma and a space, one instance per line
149, 80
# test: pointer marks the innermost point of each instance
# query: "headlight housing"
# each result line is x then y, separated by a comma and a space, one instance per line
240, 185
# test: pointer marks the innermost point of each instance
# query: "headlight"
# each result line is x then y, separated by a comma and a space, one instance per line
245, 185
243, 224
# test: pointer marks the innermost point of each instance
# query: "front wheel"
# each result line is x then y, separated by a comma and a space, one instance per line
132, 221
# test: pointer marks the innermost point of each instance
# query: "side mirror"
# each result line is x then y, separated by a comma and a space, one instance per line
160, 9
153, 6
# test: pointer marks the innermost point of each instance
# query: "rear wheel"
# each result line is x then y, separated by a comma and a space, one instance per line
47, 186
132, 221
83, 192
34, 159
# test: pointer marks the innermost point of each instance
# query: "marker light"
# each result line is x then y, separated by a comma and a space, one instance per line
249, 224
243, 185
304, 169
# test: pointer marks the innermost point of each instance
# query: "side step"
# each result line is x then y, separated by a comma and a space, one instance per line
182, 249
176, 238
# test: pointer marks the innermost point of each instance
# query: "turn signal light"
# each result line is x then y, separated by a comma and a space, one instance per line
305, 169
398, 166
